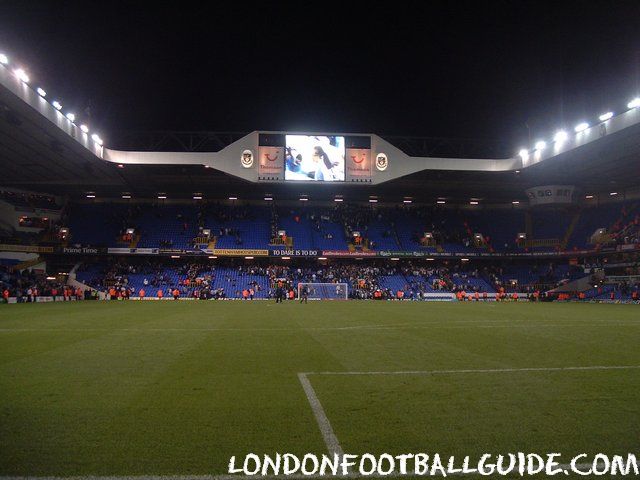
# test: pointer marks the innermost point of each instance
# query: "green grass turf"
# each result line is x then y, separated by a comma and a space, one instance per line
128, 388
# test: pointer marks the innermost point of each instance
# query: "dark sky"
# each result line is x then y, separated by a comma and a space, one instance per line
454, 69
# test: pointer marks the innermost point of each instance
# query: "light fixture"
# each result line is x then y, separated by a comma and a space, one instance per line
635, 103
212, 257
268, 199
322, 258
91, 195
162, 197
524, 154
605, 116
84, 128
197, 197
407, 201
338, 199
57, 105
515, 202
71, 117
233, 198
588, 197
473, 202
21, 75
3, 59
286, 258
304, 199
175, 256
41, 92
613, 193
248, 258
540, 145
96, 138
441, 202
581, 127
560, 136
126, 196
373, 200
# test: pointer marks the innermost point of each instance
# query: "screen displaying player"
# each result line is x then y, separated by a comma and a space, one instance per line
314, 158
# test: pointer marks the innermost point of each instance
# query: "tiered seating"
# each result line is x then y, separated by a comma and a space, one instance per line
298, 226
500, 227
97, 224
479, 284
322, 228
590, 220
234, 282
410, 229
393, 282
419, 282
173, 226
230, 279
252, 229
523, 275
381, 232
549, 223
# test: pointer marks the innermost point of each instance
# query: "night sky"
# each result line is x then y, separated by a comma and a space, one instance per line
452, 69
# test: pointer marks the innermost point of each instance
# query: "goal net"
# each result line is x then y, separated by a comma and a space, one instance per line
324, 291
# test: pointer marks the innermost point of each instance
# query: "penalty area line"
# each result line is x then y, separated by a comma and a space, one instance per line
484, 370
330, 439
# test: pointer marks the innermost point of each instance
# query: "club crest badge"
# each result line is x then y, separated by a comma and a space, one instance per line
247, 159
382, 162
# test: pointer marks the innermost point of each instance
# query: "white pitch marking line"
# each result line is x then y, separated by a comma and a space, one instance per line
407, 326
486, 370
330, 439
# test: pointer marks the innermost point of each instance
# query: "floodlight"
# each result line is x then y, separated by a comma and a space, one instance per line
524, 154
635, 103
560, 136
21, 75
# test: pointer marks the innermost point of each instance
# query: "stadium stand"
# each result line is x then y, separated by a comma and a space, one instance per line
381, 228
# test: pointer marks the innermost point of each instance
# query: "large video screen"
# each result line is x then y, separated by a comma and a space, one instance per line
314, 158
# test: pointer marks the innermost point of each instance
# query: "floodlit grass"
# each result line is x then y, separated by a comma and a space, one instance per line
134, 388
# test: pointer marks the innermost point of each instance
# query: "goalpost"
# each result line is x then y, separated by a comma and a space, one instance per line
325, 291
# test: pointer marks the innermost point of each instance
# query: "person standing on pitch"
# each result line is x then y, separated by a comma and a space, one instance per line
304, 294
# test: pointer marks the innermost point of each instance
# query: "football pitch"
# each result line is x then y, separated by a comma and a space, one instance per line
178, 388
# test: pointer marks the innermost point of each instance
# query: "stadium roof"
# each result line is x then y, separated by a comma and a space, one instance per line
38, 155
